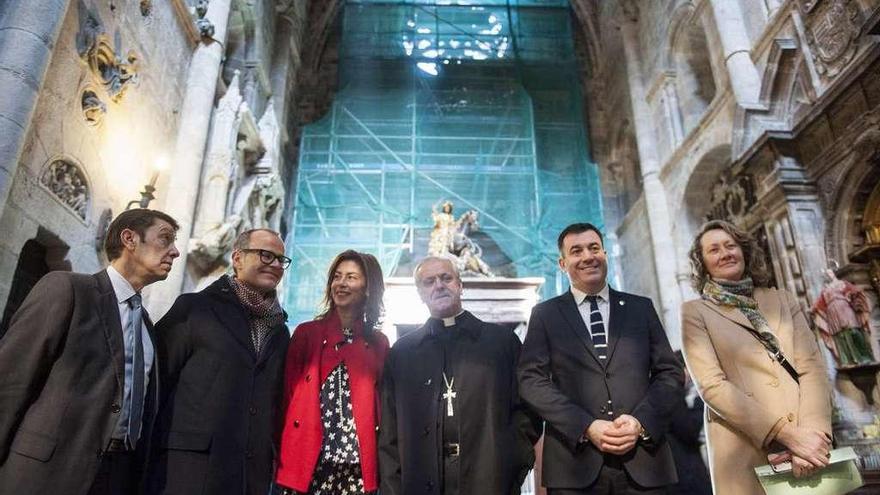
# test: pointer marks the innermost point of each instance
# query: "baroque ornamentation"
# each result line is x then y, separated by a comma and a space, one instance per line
68, 183
732, 198
832, 35
111, 71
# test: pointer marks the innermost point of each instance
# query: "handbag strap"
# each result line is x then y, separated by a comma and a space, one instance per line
776, 353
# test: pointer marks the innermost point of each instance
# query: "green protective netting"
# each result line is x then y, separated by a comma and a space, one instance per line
477, 103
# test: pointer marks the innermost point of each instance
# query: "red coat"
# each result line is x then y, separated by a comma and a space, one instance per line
311, 356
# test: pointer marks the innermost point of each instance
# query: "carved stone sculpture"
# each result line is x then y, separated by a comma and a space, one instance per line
450, 238
115, 74
68, 183
833, 35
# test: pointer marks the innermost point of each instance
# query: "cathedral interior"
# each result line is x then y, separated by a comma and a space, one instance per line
356, 123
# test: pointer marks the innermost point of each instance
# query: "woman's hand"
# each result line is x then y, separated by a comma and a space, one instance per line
801, 468
811, 446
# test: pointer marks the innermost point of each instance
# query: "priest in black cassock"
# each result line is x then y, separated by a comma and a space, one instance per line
452, 421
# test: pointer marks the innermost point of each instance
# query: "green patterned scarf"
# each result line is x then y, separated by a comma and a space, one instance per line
738, 294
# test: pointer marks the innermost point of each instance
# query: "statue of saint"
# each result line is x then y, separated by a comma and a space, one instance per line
841, 314
450, 238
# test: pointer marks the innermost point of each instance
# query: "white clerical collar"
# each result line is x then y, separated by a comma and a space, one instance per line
448, 322
579, 295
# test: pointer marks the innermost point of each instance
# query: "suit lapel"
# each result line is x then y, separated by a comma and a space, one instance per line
768, 305
731, 313
231, 316
112, 326
616, 320
572, 316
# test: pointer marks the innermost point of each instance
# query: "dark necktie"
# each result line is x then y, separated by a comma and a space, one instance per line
135, 417
597, 329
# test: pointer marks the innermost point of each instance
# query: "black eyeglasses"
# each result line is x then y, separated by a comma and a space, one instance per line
267, 257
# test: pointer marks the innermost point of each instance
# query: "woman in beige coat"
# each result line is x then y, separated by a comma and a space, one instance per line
755, 408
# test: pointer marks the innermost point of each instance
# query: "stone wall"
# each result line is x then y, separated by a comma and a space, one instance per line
111, 121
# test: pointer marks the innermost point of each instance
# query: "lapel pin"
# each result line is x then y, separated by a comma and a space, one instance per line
621, 303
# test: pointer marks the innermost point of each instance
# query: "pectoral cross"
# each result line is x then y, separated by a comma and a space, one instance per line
449, 395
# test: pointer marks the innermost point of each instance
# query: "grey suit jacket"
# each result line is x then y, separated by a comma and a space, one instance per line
61, 363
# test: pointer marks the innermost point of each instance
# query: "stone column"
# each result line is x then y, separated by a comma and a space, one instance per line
28, 32
655, 194
192, 136
735, 43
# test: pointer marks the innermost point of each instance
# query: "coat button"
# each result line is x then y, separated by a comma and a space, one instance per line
790, 417
324, 343
428, 382
308, 378
115, 408
296, 423
377, 428
774, 383
426, 431
607, 375
252, 410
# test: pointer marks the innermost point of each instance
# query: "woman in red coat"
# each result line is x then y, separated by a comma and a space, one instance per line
328, 443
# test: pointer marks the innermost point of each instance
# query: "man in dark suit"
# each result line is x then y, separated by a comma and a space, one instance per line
597, 366
79, 387
221, 364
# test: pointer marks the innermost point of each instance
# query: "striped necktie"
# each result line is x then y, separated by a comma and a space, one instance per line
597, 329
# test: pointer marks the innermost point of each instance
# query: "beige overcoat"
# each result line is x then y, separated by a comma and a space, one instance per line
748, 395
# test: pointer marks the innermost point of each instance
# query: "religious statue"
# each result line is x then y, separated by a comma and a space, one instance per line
841, 314
450, 238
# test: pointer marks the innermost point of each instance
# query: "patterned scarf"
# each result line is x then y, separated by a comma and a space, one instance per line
738, 295
264, 311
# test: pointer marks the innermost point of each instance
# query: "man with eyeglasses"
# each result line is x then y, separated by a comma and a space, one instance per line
221, 363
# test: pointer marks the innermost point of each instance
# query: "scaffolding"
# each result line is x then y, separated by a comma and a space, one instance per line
475, 102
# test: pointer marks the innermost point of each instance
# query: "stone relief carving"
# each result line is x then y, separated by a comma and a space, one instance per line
68, 183
732, 198
93, 108
205, 27
832, 35
114, 73
146, 7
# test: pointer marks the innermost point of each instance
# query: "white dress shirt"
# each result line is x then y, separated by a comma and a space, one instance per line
580, 298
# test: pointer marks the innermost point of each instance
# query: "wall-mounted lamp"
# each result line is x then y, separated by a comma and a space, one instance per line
147, 194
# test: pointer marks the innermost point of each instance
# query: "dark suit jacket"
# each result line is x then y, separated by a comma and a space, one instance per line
62, 365
219, 417
561, 377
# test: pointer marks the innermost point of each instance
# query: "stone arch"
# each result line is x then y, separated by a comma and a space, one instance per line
855, 205
689, 58
696, 202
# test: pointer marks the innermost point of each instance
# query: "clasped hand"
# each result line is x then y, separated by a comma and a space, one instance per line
614, 437
809, 449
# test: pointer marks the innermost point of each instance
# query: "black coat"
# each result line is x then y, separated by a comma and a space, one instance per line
562, 379
496, 433
684, 438
61, 372
220, 410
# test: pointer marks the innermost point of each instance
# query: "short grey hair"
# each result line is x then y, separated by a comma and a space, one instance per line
243, 241
426, 259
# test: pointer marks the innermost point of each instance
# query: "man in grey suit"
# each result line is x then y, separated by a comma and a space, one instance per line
78, 391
